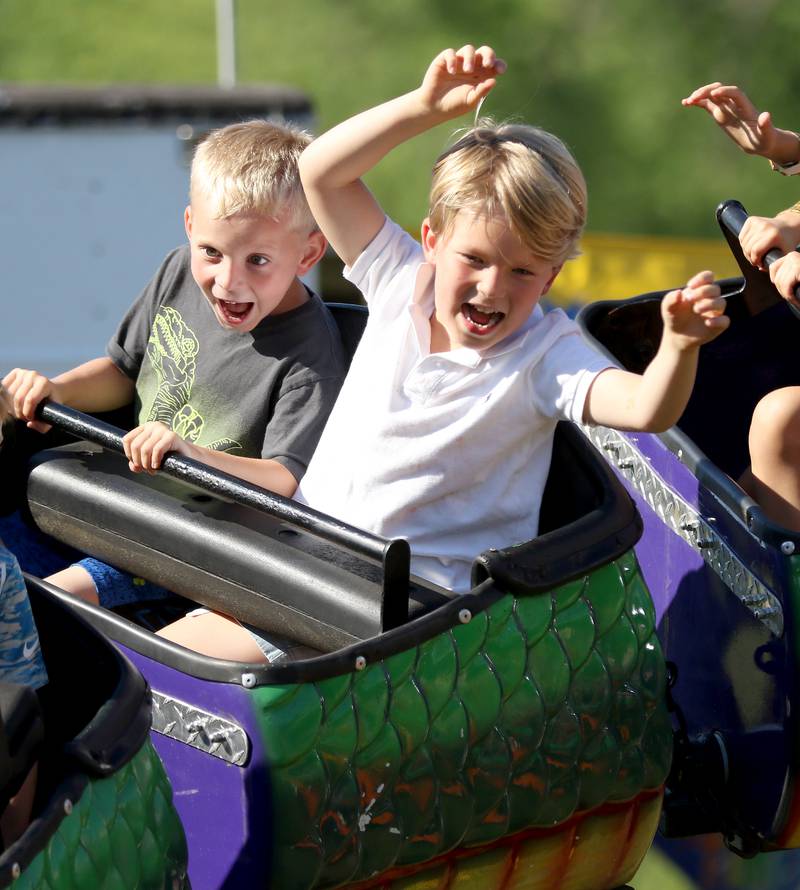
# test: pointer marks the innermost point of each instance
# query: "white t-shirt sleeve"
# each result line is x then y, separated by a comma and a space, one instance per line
568, 368
387, 266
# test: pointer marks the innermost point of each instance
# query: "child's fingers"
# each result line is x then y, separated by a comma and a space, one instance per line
447, 59
486, 57
700, 279
152, 448
701, 93
138, 444
466, 58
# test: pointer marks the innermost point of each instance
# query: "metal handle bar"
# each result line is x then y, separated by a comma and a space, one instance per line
391, 554
733, 215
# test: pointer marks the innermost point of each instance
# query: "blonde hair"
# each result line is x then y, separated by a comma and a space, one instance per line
251, 168
519, 172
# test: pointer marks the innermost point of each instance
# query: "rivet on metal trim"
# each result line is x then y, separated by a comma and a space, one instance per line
787, 548
465, 616
361, 662
248, 680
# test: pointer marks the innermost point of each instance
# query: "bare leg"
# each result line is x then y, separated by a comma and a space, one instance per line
17, 813
774, 475
76, 580
214, 634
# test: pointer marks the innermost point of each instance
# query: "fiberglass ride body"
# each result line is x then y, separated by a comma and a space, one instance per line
103, 815
725, 580
514, 736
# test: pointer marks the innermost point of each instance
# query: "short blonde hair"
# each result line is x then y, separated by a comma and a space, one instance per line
523, 174
251, 168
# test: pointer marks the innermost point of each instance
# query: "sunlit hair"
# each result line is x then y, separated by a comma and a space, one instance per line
251, 168
5, 404
522, 174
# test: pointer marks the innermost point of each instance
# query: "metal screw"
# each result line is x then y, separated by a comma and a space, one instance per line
16, 871
68, 806
248, 680
787, 547
361, 662
465, 616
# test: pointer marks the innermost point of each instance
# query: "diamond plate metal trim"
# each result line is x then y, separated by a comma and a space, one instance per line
207, 732
688, 524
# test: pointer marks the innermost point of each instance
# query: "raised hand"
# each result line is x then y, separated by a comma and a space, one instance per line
693, 315
457, 80
752, 130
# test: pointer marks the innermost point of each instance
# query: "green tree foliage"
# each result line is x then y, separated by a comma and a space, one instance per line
606, 75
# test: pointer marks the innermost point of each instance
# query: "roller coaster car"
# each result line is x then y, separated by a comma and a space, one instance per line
725, 580
517, 735
103, 815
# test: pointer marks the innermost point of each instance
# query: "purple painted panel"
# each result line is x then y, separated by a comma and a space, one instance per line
225, 809
665, 559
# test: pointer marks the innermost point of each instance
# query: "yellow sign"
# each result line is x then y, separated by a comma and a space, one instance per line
613, 267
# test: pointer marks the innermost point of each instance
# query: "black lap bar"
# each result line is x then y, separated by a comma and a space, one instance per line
283, 570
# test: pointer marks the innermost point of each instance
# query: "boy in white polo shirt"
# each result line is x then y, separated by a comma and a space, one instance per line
443, 429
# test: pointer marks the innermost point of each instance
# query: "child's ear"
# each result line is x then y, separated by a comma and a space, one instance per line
314, 251
428, 238
556, 270
187, 221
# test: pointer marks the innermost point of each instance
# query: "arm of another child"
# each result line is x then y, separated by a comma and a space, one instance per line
653, 401
96, 385
752, 130
147, 445
332, 166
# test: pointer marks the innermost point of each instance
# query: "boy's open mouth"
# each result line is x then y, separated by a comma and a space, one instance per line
478, 321
234, 313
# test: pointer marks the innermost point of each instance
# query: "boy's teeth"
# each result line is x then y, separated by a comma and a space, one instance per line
480, 316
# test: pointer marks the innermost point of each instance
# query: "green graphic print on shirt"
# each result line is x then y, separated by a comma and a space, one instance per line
172, 350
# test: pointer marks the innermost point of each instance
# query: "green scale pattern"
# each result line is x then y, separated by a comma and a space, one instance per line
539, 707
123, 834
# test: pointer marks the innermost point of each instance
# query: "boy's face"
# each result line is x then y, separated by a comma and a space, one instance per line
247, 265
486, 282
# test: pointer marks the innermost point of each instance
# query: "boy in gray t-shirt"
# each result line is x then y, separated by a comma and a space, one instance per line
226, 354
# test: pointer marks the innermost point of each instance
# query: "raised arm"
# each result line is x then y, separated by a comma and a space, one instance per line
752, 130
654, 401
332, 166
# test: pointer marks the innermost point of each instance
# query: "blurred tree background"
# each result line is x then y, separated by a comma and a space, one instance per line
606, 75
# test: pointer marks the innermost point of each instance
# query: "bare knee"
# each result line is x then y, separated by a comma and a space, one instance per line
76, 580
216, 635
775, 427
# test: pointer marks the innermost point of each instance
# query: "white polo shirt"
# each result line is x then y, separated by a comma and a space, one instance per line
450, 451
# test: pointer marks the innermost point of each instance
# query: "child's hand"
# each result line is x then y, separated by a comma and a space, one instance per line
760, 234
457, 80
785, 275
752, 130
147, 445
27, 389
694, 315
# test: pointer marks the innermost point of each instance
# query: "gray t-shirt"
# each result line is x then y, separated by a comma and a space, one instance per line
267, 392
